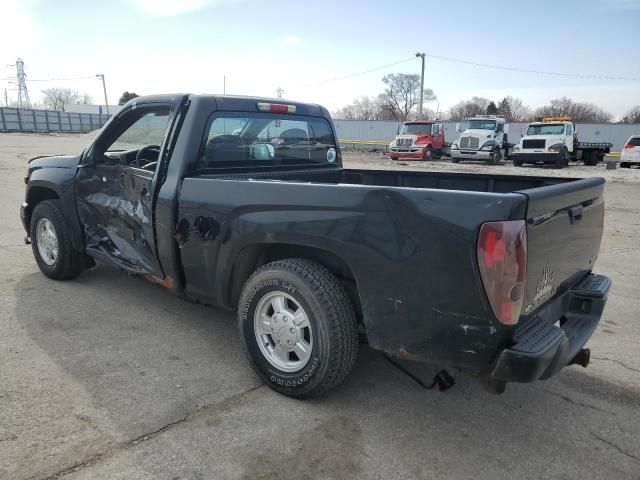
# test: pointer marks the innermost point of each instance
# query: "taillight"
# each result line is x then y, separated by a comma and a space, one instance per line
628, 145
276, 107
502, 258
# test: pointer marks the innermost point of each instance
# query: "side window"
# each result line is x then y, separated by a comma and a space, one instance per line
435, 128
149, 129
265, 139
569, 129
500, 127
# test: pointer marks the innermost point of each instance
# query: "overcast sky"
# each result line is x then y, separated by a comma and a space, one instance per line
162, 46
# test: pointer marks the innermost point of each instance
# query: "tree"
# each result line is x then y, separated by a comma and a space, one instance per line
55, 98
492, 109
469, 108
402, 94
578, 111
126, 96
632, 116
514, 110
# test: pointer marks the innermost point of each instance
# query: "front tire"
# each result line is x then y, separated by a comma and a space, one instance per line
298, 327
51, 242
427, 154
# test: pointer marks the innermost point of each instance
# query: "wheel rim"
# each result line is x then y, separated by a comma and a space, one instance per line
283, 332
47, 241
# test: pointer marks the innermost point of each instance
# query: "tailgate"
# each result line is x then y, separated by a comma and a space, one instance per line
564, 230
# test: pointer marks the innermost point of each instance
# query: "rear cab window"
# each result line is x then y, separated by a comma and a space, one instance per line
635, 141
256, 139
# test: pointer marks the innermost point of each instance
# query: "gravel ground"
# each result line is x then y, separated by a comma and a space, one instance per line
108, 376
377, 160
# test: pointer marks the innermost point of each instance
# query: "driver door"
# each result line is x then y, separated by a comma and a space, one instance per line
114, 188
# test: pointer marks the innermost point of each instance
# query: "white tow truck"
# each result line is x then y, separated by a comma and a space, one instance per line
554, 141
485, 138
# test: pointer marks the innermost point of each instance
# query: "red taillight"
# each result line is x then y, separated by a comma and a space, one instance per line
628, 145
502, 258
276, 107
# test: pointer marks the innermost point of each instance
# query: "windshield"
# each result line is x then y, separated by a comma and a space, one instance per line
416, 128
482, 125
546, 129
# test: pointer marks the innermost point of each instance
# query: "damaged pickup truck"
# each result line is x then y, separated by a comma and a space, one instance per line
244, 203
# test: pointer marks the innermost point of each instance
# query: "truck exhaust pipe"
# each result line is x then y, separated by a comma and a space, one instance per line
582, 358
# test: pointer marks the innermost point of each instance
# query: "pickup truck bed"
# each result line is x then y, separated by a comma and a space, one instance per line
489, 273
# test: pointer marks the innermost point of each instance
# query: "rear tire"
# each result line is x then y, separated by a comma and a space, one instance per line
316, 346
51, 242
517, 163
591, 159
455, 160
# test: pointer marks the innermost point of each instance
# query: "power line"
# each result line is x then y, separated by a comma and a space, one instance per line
60, 79
410, 59
526, 70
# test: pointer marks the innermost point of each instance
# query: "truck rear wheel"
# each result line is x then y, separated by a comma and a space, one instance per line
298, 327
591, 158
51, 242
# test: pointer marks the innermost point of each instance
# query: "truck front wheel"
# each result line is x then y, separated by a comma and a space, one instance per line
427, 154
51, 242
298, 327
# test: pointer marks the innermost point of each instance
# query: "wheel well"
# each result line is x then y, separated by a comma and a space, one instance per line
37, 195
254, 256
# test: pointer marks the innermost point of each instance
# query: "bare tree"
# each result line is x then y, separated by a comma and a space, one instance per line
632, 116
578, 111
55, 98
514, 110
469, 108
402, 94
367, 108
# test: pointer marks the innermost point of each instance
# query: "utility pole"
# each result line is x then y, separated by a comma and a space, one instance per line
104, 88
23, 93
421, 55
6, 98
224, 84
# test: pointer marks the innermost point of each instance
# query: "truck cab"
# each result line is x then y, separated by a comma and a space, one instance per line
483, 139
551, 141
418, 139
554, 141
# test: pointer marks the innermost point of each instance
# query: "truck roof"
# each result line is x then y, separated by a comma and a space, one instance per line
238, 102
419, 122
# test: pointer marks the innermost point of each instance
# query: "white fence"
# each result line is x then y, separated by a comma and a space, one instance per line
616, 133
29, 120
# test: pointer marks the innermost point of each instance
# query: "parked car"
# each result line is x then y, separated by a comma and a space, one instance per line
630, 154
244, 203
554, 141
420, 140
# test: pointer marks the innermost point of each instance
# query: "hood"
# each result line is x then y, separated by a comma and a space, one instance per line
549, 139
480, 133
54, 161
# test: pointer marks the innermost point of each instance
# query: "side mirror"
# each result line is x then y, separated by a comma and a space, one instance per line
458, 129
263, 151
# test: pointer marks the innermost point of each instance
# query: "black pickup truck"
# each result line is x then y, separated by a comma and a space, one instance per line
243, 203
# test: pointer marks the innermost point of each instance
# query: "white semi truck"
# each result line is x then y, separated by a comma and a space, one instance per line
554, 141
485, 138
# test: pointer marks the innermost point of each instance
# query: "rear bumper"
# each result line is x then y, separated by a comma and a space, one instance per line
535, 157
471, 154
549, 339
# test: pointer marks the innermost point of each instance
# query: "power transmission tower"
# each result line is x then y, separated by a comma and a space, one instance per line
23, 93
279, 92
